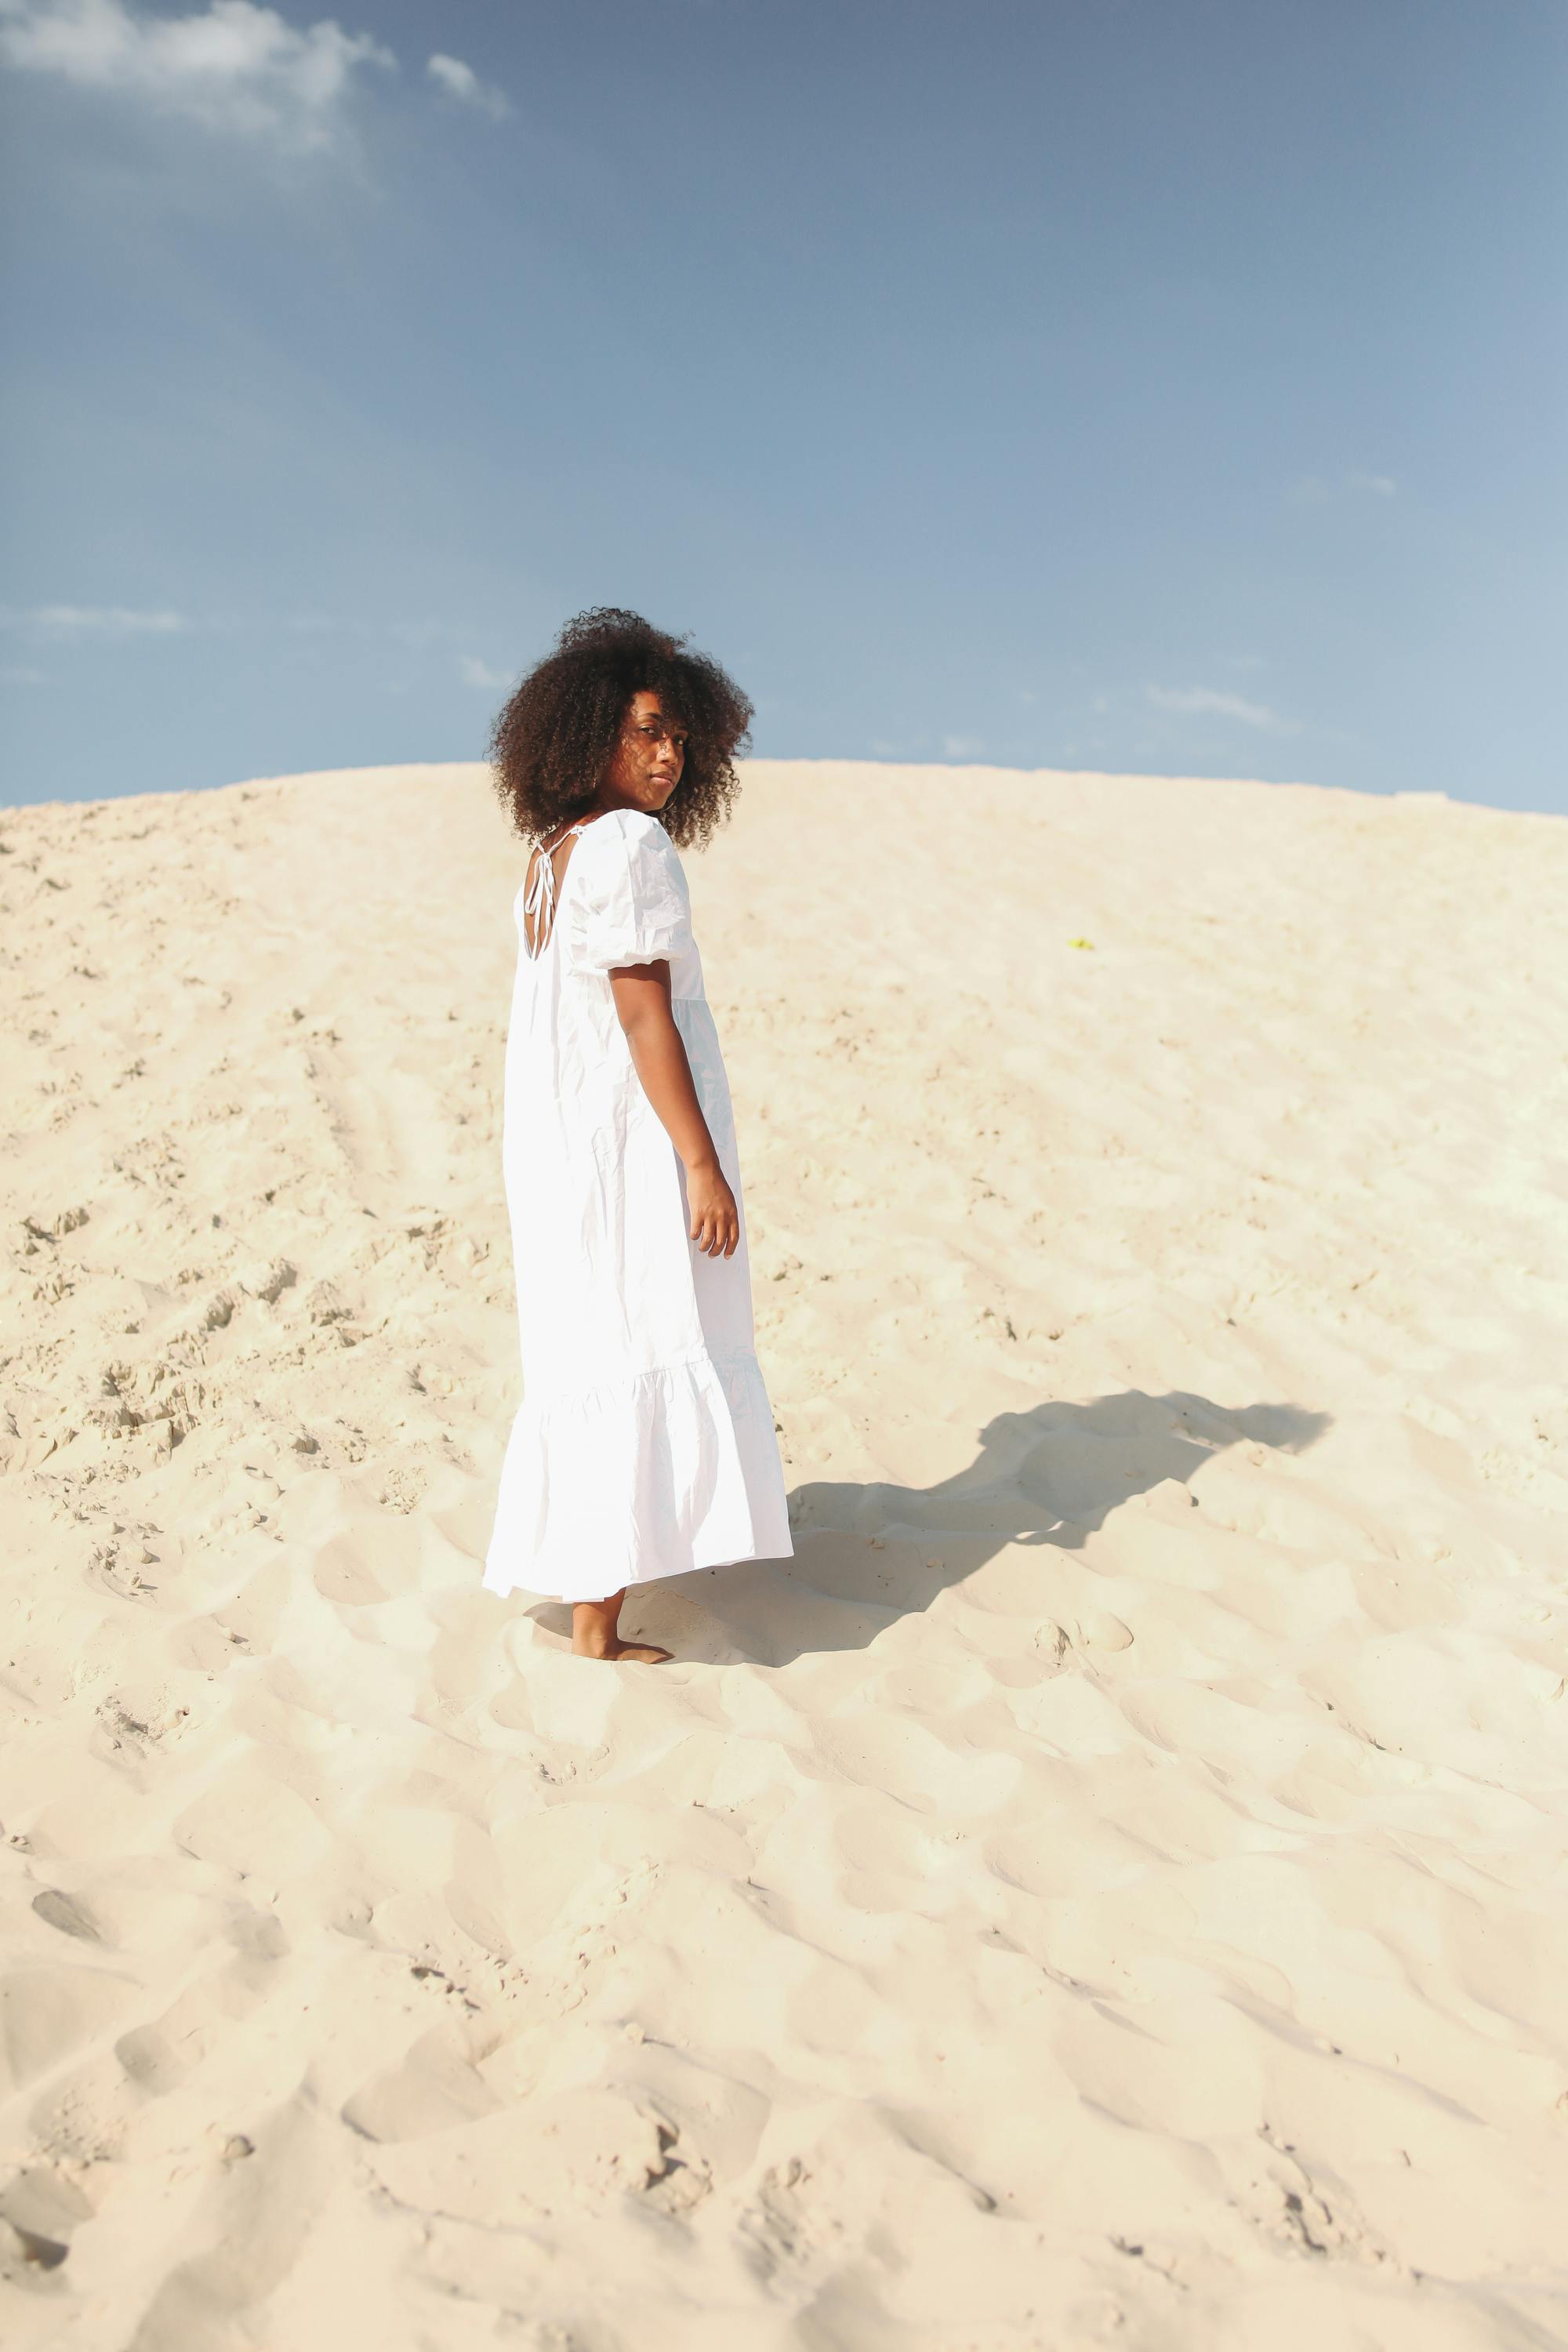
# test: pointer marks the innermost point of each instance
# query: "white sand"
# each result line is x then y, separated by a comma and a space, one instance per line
1107, 1891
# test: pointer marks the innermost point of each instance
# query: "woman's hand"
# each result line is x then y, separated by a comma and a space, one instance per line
715, 1220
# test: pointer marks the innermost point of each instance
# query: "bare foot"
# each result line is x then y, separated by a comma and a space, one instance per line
595, 1634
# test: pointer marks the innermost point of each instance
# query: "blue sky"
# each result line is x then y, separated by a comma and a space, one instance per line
1101, 384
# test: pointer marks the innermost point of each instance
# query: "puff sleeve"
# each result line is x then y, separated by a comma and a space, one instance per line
634, 906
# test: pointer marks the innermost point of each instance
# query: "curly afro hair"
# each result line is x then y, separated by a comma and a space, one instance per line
551, 743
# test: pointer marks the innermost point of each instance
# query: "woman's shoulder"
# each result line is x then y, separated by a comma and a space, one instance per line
634, 824
632, 905
640, 836
625, 851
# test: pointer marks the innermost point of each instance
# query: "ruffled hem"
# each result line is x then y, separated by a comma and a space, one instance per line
652, 1476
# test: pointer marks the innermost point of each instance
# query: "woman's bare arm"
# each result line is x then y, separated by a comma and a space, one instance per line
641, 992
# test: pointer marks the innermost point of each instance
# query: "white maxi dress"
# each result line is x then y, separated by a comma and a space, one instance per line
644, 1445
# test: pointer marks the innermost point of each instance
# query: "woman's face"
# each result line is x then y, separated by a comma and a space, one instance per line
649, 756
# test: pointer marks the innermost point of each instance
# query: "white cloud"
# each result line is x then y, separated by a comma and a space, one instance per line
461, 82
474, 672
1312, 490
962, 747
94, 620
17, 674
237, 67
1208, 702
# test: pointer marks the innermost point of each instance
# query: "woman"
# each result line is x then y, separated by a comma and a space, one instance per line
645, 1444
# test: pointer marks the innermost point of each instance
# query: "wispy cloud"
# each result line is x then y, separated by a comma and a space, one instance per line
456, 80
1210, 702
1317, 489
237, 67
93, 620
474, 672
962, 747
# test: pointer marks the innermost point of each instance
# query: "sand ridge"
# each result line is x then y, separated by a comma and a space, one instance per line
1107, 1889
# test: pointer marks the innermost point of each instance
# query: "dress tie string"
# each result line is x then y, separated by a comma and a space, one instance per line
538, 899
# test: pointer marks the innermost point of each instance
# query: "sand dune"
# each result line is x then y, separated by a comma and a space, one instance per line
1106, 1890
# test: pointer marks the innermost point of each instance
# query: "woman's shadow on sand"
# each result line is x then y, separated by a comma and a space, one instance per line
1050, 1476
